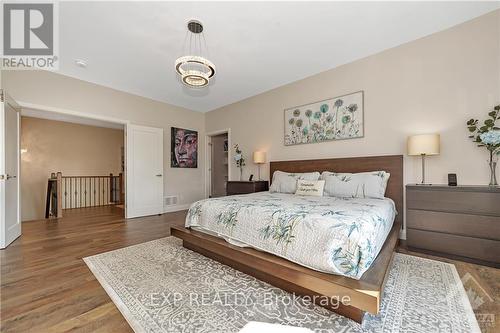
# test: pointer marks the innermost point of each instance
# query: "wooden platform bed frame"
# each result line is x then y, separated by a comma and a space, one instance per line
348, 297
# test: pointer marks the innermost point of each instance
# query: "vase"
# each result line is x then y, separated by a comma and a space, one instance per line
493, 173
241, 173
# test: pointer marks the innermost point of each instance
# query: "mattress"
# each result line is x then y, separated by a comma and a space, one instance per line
328, 234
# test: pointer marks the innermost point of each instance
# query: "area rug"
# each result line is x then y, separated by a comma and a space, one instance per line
159, 286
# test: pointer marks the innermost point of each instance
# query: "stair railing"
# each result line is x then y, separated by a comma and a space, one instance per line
69, 192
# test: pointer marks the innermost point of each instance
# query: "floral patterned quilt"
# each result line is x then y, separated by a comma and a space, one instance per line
328, 234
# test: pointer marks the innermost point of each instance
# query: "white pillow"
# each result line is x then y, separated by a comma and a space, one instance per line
310, 187
356, 185
284, 182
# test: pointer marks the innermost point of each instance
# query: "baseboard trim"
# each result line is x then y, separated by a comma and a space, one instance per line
176, 208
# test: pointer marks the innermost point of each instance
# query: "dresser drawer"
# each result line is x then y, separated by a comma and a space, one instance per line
475, 248
245, 187
240, 188
460, 224
481, 203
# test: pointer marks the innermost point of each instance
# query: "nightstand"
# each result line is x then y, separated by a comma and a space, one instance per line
460, 222
245, 187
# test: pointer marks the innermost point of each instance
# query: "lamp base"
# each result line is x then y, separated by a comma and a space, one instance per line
423, 169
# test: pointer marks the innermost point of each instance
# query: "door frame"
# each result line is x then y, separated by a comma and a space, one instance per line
126, 123
208, 157
6, 99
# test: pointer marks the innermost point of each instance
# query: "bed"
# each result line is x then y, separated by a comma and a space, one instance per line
341, 248
328, 234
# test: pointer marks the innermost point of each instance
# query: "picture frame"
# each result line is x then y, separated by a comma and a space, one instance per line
183, 148
337, 118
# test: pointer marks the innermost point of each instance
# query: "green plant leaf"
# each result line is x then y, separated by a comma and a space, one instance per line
489, 122
497, 108
472, 128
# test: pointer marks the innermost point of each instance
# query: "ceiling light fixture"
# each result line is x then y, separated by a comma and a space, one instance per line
194, 69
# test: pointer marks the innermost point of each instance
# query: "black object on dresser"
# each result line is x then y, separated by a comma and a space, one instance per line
452, 179
461, 222
245, 187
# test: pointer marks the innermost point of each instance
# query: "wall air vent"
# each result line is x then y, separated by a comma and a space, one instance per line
171, 200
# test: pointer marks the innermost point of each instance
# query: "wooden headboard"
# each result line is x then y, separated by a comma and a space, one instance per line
390, 163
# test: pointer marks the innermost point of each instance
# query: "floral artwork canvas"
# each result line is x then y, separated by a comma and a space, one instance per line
333, 119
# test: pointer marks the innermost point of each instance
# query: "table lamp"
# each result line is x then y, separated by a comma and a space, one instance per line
423, 145
259, 157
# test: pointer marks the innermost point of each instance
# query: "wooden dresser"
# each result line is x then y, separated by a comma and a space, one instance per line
461, 222
245, 187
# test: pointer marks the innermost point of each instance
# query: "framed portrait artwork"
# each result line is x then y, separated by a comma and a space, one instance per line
184, 148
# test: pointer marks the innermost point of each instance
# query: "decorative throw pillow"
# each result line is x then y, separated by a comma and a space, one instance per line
310, 187
356, 185
284, 182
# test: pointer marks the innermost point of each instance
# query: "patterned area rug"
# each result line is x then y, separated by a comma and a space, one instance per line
161, 287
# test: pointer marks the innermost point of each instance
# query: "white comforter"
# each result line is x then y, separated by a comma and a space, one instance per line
333, 235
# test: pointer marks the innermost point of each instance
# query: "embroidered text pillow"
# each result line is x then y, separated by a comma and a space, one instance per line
310, 187
284, 182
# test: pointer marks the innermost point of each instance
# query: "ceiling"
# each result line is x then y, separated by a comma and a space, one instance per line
132, 46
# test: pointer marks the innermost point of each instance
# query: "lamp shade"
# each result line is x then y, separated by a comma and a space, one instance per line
424, 144
259, 157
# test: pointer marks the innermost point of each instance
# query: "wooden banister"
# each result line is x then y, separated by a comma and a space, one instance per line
48, 200
53, 203
59, 194
67, 192
122, 189
112, 188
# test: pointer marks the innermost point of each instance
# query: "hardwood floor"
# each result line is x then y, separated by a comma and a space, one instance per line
46, 286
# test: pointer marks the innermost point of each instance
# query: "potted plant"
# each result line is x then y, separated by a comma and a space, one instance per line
240, 160
488, 135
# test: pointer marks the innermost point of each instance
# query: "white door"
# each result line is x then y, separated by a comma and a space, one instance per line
144, 171
10, 217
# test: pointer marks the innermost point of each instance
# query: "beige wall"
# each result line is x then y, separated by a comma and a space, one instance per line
62, 92
433, 84
70, 148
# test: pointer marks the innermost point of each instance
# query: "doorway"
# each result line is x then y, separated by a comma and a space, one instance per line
10, 219
137, 187
136, 139
218, 172
69, 163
